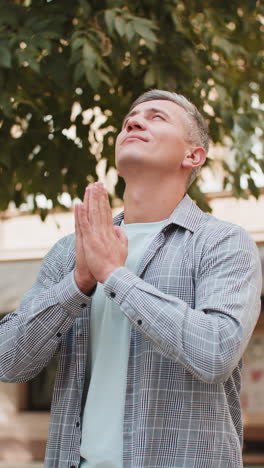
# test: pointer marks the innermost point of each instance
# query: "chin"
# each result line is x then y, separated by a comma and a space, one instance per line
128, 166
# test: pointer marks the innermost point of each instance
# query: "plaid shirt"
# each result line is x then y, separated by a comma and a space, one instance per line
193, 306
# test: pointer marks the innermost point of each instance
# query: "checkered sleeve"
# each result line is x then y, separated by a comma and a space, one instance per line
209, 338
31, 335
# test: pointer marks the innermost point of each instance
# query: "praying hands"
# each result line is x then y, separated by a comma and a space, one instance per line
101, 247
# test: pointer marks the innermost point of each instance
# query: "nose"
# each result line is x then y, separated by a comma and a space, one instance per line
135, 123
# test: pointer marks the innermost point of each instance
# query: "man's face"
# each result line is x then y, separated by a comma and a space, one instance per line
153, 137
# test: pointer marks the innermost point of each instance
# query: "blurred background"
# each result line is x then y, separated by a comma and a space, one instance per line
68, 73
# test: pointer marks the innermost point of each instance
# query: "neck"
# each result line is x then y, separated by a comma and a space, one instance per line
148, 201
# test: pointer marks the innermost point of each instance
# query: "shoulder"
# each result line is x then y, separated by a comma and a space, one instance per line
226, 244
214, 230
204, 231
204, 226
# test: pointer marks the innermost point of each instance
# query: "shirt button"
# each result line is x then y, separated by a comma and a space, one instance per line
112, 294
77, 424
58, 334
83, 305
139, 322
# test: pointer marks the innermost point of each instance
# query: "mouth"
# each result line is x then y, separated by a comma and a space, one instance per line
134, 137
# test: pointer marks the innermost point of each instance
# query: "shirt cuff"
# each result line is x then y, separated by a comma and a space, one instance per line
69, 295
118, 284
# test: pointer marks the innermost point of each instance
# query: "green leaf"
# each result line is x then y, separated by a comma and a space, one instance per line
222, 44
43, 213
79, 72
105, 78
253, 188
76, 56
41, 43
34, 65
244, 122
148, 23
5, 57
92, 78
6, 105
109, 16
130, 32
150, 45
77, 43
144, 32
89, 55
228, 47
120, 26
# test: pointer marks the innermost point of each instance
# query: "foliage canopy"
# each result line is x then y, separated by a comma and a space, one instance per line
60, 55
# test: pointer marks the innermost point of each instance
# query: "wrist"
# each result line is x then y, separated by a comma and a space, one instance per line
86, 285
107, 273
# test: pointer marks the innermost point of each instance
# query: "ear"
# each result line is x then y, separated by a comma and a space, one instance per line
194, 158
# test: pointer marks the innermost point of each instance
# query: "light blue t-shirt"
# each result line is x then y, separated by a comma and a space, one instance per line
102, 428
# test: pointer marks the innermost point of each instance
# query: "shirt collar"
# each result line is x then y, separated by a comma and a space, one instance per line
186, 214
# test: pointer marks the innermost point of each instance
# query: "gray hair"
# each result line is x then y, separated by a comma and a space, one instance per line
196, 126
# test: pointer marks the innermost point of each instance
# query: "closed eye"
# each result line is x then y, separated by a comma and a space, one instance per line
158, 116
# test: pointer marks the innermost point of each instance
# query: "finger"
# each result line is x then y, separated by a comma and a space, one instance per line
86, 199
78, 233
76, 219
120, 233
94, 218
104, 208
83, 224
109, 217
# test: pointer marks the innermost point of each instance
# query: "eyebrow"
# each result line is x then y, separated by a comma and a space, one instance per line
151, 110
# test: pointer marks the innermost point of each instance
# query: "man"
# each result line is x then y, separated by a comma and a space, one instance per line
151, 315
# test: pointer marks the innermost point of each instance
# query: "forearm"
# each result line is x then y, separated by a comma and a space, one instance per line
32, 335
207, 342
